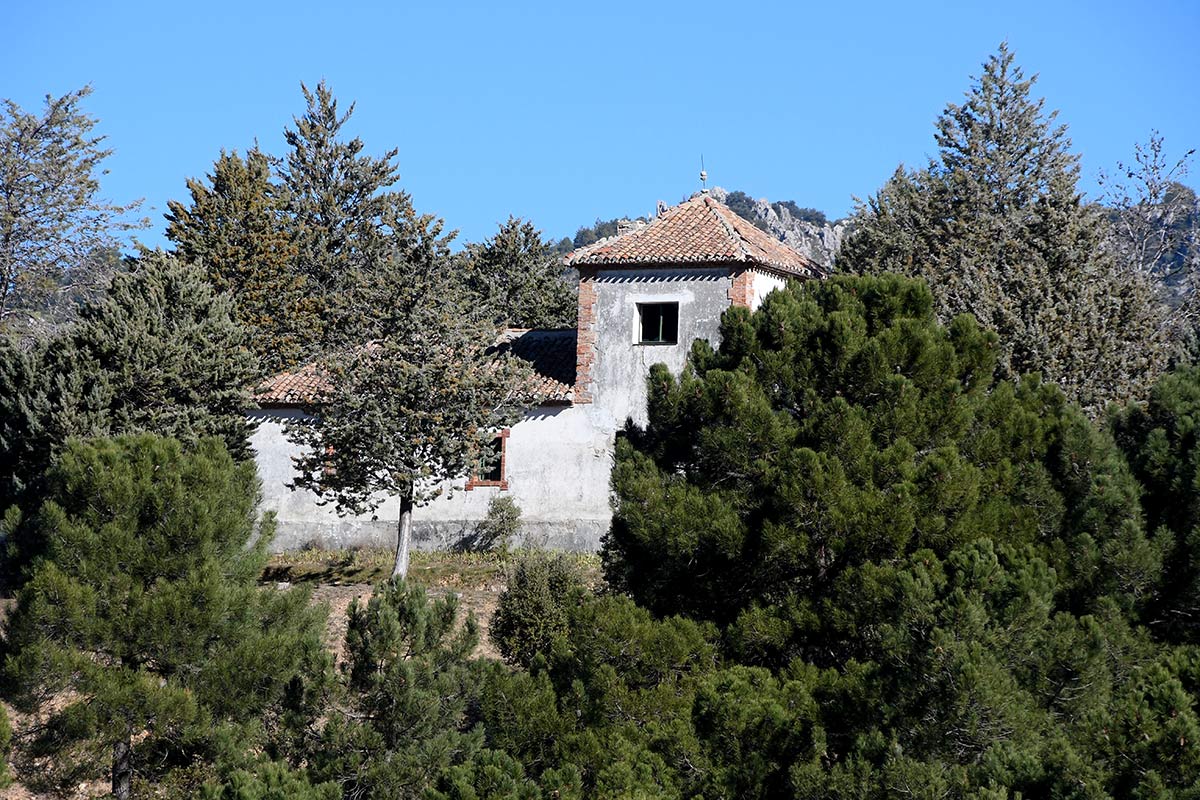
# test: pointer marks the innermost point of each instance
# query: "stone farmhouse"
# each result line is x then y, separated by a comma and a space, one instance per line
644, 296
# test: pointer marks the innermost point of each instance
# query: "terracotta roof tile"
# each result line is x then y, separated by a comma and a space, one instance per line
699, 230
292, 388
550, 352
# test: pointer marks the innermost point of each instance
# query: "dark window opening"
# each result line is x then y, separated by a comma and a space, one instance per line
489, 469
660, 323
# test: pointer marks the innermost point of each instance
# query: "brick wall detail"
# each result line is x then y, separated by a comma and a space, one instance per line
585, 342
741, 287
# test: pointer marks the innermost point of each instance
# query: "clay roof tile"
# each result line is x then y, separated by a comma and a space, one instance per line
699, 230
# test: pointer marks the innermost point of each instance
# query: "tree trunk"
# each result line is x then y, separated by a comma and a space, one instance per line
122, 769
404, 535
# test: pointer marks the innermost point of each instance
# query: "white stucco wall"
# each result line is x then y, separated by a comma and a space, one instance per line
621, 364
557, 464
558, 459
761, 285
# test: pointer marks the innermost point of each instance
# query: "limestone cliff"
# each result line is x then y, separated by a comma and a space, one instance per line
820, 242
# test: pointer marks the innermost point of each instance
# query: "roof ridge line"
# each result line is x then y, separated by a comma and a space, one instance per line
729, 229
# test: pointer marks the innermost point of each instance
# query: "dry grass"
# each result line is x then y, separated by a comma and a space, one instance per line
445, 570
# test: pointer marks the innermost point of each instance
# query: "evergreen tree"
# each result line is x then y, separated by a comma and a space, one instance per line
268, 781
237, 228
158, 352
52, 221
350, 225
1162, 443
142, 633
410, 685
413, 409
996, 225
519, 278
841, 426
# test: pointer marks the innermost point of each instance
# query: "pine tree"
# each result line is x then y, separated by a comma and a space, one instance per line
143, 633
53, 224
519, 278
414, 408
237, 228
158, 352
350, 225
410, 686
1162, 443
841, 426
997, 227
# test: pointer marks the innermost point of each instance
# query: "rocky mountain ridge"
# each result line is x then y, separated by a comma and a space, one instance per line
818, 242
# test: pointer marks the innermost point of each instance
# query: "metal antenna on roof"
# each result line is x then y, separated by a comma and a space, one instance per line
703, 176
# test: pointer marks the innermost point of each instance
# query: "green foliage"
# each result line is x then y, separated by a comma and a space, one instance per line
600, 230
534, 609
159, 352
237, 228
996, 225
1162, 442
54, 227
604, 712
5, 747
410, 685
840, 426
942, 574
415, 407
519, 278
498, 529
490, 775
143, 621
268, 781
352, 230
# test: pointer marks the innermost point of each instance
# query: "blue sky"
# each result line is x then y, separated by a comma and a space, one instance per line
563, 113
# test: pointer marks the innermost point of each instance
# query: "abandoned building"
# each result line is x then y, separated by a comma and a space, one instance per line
644, 295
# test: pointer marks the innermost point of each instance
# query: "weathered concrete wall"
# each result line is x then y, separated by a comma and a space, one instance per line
620, 364
557, 464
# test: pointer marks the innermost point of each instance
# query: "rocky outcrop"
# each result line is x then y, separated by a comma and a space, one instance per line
818, 242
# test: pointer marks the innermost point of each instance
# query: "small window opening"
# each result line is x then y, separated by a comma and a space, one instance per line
489, 468
659, 323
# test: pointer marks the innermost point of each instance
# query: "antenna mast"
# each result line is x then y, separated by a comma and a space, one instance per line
703, 176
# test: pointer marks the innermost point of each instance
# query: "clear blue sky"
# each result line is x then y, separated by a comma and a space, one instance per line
562, 112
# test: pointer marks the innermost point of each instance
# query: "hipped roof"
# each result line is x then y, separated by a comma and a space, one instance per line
697, 231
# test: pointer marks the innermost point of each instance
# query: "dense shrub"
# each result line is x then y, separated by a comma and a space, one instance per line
535, 607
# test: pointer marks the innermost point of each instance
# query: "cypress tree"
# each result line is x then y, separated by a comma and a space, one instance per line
996, 225
350, 225
237, 228
519, 278
160, 352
